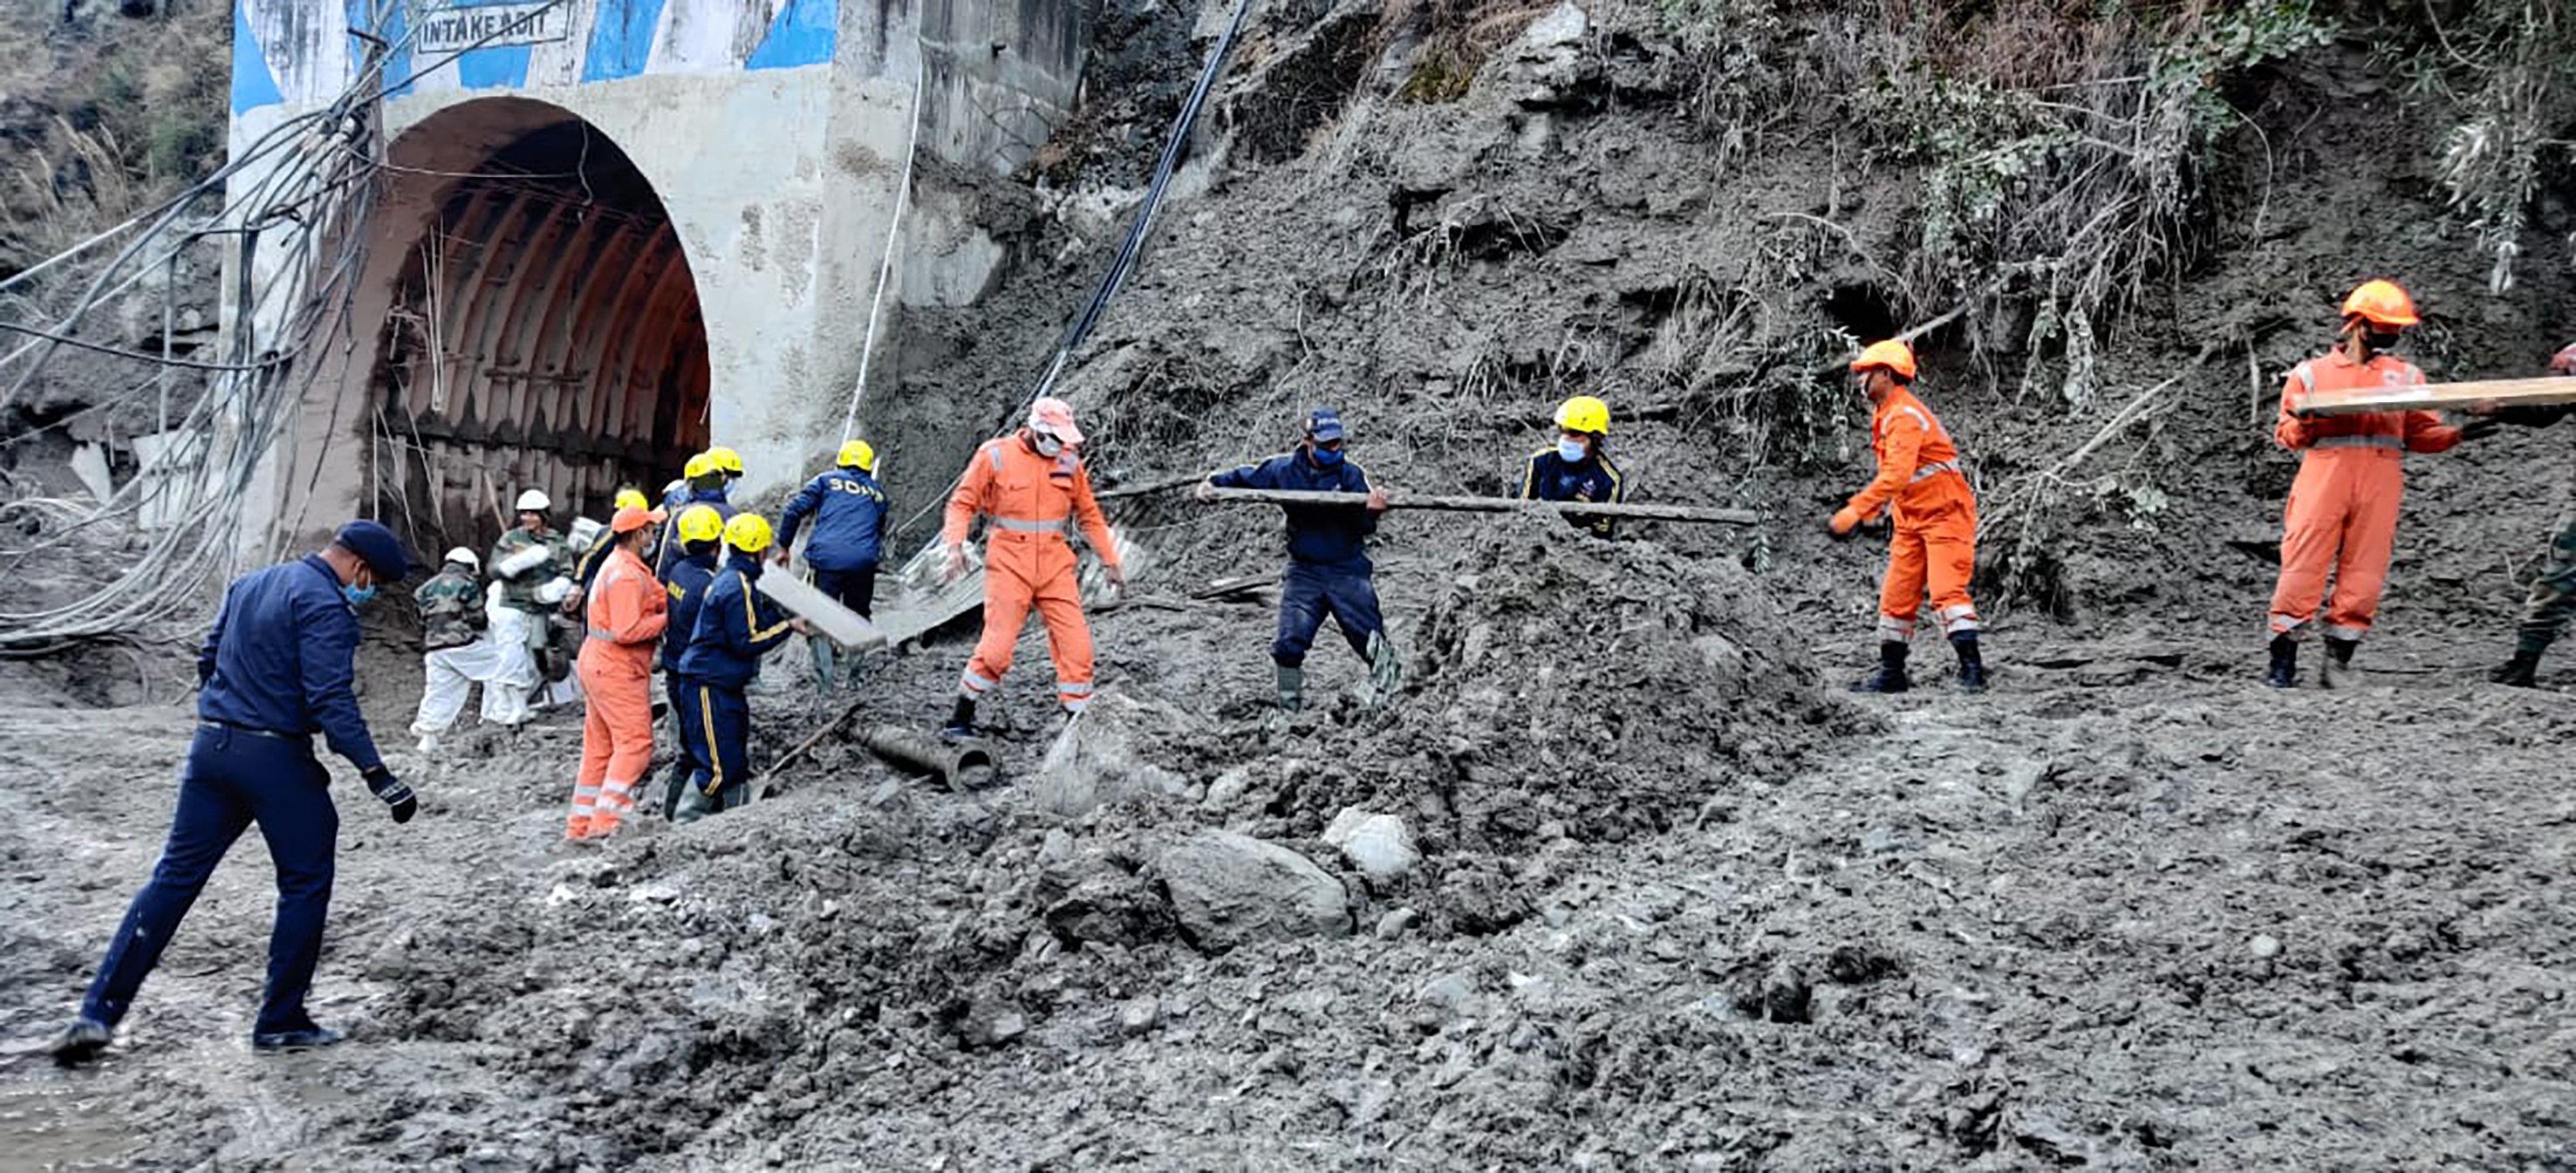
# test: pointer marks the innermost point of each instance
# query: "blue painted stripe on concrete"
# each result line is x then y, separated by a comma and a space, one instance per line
505, 66
253, 85
397, 25
806, 32
621, 39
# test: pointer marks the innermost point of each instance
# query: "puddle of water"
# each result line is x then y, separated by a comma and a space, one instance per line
58, 1121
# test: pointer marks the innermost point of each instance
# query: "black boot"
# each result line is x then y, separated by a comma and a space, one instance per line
961, 721
2521, 671
1972, 663
2284, 672
2338, 671
1890, 674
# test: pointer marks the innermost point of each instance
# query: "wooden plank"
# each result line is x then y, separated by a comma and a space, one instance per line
2554, 389
1399, 500
845, 627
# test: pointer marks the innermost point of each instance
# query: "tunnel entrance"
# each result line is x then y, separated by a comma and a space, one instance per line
543, 331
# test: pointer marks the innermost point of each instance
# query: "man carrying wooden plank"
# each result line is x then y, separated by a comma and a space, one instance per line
848, 508
2553, 594
735, 627
1328, 567
1578, 468
2342, 514
1934, 541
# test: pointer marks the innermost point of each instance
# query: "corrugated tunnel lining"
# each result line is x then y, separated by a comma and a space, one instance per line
571, 353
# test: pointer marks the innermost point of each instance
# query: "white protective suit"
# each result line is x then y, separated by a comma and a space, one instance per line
499, 662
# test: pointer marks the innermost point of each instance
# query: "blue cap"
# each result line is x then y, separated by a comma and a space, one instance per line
1324, 423
377, 547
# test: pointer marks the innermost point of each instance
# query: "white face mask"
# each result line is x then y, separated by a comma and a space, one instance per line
1048, 446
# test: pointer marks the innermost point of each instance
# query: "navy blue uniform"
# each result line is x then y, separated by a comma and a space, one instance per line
1328, 567
687, 586
276, 670
668, 550
849, 512
735, 627
1550, 478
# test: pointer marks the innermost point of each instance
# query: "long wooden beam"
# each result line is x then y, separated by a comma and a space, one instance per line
2545, 391
1402, 500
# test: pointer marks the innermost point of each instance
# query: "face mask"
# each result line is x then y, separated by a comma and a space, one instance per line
358, 595
1327, 457
1049, 446
1570, 451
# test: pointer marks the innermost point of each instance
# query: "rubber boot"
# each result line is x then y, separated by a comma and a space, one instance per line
2284, 672
2338, 671
296, 1040
694, 805
961, 720
1889, 676
822, 649
80, 1042
1972, 662
2522, 671
1386, 671
1292, 688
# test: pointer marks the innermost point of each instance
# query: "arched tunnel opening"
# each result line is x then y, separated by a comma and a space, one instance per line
543, 330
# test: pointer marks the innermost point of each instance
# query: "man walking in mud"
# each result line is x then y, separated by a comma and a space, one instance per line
276, 669
2553, 594
1934, 539
2342, 513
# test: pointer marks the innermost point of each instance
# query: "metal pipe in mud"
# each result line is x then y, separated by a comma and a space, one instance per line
961, 766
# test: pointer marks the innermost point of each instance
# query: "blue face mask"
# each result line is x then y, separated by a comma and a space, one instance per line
1326, 457
1571, 451
357, 595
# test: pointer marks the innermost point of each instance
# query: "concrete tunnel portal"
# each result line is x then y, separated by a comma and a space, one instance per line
541, 325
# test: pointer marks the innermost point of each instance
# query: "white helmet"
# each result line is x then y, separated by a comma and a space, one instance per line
535, 501
461, 554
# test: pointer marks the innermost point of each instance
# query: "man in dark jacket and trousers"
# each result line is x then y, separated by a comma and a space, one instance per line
707, 484
1578, 468
849, 512
700, 530
1328, 567
276, 669
736, 626
2553, 593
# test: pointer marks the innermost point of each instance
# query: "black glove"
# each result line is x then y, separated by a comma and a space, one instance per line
392, 790
2477, 428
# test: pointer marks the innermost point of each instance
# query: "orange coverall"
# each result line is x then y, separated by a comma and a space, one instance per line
2342, 514
1935, 540
1027, 559
627, 610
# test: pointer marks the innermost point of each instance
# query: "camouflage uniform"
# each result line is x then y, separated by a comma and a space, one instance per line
521, 592
2553, 594
451, 608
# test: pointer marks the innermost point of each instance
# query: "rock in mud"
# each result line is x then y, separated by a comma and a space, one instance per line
1378, 845
1229, 889
1099, 760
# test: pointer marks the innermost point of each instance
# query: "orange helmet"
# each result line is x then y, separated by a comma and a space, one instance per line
2381, 303
1891, 354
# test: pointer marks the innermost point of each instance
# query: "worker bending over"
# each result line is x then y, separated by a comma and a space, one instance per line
1934, 543
455, 655
700, 528
1578, 468
2342, 513
736, 626
2553, 593
1328, 566
277, 668
849, 512
627, 614
1031, 484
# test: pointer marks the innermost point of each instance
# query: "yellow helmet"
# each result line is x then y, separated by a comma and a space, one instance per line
857, 454
726, 460
747, 532
701, 523
1583, 413
699, 465
630, 499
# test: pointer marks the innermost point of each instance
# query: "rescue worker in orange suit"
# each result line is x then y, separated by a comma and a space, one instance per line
627, 612
2553, 593
1578, 468
736, 626
1934, 543
2342, 515
1031, 484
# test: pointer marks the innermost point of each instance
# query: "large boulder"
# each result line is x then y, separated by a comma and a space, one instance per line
1229, 889
1378, 845
1099, 759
